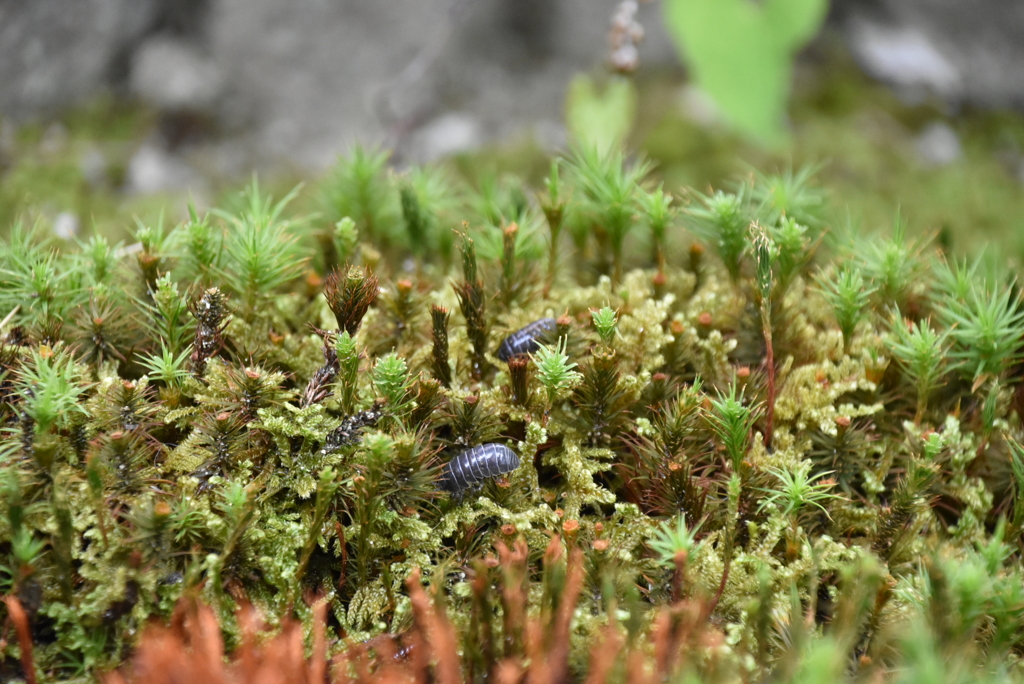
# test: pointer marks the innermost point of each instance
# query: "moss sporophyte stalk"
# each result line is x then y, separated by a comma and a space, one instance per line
615, 449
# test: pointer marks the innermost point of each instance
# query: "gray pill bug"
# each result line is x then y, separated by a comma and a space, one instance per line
469, 469
526, 340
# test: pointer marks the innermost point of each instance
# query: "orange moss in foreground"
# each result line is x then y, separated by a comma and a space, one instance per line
534, 650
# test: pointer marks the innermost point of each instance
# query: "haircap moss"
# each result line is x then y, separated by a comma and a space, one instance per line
714, 455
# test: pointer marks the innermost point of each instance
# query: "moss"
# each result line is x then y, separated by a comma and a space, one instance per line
863, 137
240, 448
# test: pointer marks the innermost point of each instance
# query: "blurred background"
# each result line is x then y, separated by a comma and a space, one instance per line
111, 109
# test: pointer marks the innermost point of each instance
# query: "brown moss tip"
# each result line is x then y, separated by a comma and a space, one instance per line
350, 295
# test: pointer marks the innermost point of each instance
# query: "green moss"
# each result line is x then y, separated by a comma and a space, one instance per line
863, 137
229, 442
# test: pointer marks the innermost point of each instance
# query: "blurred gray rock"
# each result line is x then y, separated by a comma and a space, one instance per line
301, 80
8, 135
550, 134
66, 225
55, 53
938, 145
153, 170
904, 56
448, 134
54, 140
93, 166
307, 78
173, 74
698, 106
963, 51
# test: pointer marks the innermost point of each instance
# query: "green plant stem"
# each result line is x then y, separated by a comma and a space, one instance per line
508, 265
555, 226
328, 487
766, 325
792, 545
730, 537
367, 508
735, 493
922, 405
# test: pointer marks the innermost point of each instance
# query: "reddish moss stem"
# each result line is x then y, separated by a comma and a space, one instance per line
18, 616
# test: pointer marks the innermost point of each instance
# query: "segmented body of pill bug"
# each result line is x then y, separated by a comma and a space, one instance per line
526, 340
469, 469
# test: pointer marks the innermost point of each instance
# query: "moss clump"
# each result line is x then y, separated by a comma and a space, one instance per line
254, 408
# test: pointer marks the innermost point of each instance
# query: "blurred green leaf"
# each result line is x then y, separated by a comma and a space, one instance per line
741, 53
600, 118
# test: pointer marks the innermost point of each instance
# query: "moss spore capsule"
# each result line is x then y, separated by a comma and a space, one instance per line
469, 469
526, 340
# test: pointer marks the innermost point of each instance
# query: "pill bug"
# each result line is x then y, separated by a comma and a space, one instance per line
469, 469
526, 340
